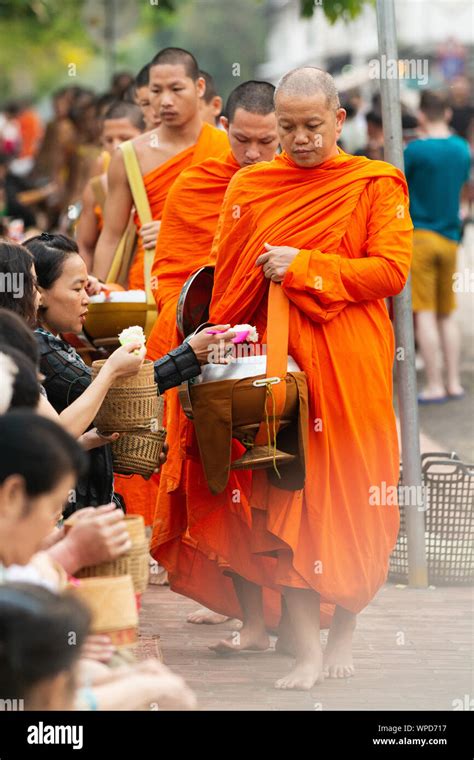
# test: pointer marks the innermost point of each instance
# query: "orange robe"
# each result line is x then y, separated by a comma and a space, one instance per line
189, 221
139, 494
211, 142
349, 219
184, 244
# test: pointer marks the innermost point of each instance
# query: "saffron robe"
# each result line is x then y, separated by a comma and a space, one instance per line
349, 219
211, 142
140, 495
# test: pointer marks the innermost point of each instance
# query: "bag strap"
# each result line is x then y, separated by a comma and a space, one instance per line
123, 256
135, 180
140, 199
277, 361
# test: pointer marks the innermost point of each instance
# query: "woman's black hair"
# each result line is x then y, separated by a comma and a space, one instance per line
49, 254
17, 283
41, 635
26, 390
15, 332
39, 450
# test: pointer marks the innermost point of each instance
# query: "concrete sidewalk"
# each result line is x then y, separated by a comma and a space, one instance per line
412, 652
413, 648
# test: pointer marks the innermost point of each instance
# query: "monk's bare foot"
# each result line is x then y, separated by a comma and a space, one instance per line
338, 662
247, 639
285, 643
307, 672
158, 574
203, 616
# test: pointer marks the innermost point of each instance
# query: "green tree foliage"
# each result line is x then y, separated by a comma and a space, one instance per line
41, 38
227, 37
334, 10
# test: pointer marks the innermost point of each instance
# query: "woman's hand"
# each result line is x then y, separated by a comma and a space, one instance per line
213, 349
169, 690
92, 439
124, 362
99, 648
149, 234
98, 536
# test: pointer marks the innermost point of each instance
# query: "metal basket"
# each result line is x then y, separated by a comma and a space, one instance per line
449, 493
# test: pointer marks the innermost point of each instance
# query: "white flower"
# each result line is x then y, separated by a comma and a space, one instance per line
133, 334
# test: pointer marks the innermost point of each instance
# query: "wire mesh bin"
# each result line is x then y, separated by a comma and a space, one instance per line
448, 489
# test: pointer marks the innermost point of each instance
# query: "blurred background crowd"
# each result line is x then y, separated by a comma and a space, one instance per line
50, 115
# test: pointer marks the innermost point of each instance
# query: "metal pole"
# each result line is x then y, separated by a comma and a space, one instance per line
110, 38
406, 372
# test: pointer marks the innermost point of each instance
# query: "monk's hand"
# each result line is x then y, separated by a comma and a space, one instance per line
149, 234
276, 260
213, 349
93, 286
162, 458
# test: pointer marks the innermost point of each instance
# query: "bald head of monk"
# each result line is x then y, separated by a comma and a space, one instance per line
250, 122
142, 98
122, 121
309, 115
211, 102
176, 87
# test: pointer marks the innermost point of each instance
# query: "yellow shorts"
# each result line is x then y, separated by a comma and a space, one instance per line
433, 267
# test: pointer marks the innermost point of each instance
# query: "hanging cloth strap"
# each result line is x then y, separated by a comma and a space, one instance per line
277, 364
142, 206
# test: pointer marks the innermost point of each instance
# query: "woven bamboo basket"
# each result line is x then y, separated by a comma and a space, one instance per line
134, 563
145, 377
137, 452
112, 604
135, 526
131, 403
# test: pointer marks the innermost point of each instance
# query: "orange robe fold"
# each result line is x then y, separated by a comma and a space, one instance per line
190, 218
211, 142
184, 244
349, 219
139, 494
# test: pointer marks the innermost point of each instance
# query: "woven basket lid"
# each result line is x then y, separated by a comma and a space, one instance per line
111, 601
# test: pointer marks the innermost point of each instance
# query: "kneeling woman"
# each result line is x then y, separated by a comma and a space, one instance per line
61, 281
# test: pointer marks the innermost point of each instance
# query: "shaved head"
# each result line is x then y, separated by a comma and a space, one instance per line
143, 77
309, 115
252, 96
306, 82
173, 56
124, 110
250, 122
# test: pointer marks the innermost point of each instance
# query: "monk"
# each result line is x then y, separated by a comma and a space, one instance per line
184, 244
142, 98
334, 233
122, 121
180, 141
211, 101
163, 153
